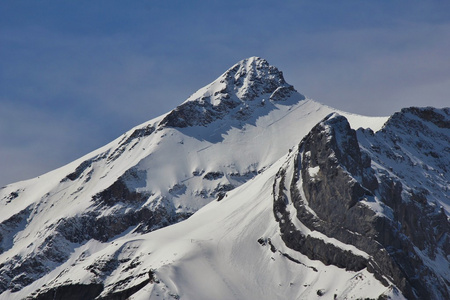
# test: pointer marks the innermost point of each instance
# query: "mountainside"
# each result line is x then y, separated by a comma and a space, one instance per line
246, 190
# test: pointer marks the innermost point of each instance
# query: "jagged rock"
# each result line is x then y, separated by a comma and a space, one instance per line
70, 292
249, 79
332, 170
376, 201
9, 227
213, 175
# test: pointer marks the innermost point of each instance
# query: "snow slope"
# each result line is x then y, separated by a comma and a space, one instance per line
190, 195
215, 254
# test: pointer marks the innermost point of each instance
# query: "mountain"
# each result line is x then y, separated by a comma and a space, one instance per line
247, 190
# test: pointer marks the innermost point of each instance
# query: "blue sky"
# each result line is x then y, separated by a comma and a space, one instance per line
74, 75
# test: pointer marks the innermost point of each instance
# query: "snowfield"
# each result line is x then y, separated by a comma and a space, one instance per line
194, 204
215, 254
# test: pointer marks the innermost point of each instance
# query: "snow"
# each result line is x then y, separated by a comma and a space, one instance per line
417, 165
241, 150
222, 260
375, 204
214, 254
314, 171
289, 167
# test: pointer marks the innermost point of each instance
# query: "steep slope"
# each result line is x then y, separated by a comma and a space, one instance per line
230, 249
361, 207
325, 220
368, 207
158, 173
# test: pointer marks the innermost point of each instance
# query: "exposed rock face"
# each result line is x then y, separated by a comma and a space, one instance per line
356, 200
70, 292
123, 202
9, 227
85, 291
67, 233
245, 82
133, 138
340, 190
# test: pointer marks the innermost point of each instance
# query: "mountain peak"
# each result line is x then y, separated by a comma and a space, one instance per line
245, 86
253, 77
369, 207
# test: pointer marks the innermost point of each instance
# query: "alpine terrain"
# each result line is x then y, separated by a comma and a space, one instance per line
247, 190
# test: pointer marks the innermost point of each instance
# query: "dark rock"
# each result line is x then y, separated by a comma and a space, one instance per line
11, 226
13, 195
125, 294
334, 190
135, 135
282, 93
194, 114
439, 117
120, 192
244, 82
78, 171
70, 292
213, 175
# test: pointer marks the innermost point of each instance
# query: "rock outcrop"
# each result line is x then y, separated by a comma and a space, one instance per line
337, 192
236, 92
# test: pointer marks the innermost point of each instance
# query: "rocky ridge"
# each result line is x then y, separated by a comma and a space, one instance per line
249, 83
338, 192
369, 199
117, 188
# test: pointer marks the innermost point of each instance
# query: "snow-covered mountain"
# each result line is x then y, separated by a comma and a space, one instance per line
247, 190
